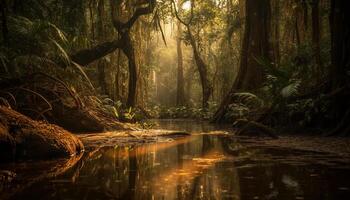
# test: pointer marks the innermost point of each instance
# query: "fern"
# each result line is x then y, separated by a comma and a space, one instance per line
61, 52
291, 89
82, 72
248, 99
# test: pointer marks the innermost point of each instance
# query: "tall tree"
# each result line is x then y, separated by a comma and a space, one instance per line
316, 38
3, 10
101, 37
340, 41
201, 65
340, 66
124, 42
180, 96
255, 46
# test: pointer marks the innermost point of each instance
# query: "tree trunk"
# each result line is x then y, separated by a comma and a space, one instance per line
316, 39
340, 41
340, 67
3, 7
203, 71
276, 32
255, 46
180, 98
128, 50
101, 68
102, 76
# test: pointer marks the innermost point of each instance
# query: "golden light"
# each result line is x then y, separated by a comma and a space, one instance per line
186, 5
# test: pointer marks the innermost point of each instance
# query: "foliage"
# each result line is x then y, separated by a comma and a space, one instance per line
184, 112
38, 46
243, 106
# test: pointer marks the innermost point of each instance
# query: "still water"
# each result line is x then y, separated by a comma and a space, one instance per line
196, 167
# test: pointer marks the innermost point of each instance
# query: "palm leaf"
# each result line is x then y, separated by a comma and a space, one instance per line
82, 72
291, 89
62, 53
58, 32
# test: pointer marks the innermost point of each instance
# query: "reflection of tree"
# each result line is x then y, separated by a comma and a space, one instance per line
233, 180
33, 173
180, 187
207, 145
133, 169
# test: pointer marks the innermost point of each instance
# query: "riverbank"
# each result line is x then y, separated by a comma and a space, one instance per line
158, 162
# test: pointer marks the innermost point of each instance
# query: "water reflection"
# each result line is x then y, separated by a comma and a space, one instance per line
198, 167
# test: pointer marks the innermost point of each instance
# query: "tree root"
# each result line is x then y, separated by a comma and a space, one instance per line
342, 128
249, 127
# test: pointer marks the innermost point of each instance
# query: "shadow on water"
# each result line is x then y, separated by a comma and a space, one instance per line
196, 167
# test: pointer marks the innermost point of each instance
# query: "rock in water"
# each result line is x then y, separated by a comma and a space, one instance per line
24, 138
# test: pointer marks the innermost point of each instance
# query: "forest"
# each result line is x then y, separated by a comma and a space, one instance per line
174, 99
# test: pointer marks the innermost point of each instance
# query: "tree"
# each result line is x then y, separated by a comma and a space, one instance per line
101, 37
340, 41
180, 98
340, 65
255, 46
201, 65
316, 38
3, 10
124, 42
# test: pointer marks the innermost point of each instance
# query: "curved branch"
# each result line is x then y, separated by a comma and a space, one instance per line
120, 26
187, 24
87, 56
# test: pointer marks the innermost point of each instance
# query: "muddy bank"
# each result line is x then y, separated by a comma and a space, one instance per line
335, 145
24, 138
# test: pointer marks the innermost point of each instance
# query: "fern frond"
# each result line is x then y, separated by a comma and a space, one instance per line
62, 53
291, 89
271, 69
248, 99
58, 32
82, 72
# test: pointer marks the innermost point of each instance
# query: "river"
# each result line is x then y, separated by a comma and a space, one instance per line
202, 166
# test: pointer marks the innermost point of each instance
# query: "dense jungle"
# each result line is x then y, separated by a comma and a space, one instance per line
174, 99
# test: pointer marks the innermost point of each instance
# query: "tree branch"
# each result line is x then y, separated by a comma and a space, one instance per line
87, 56
179, 18
120, 26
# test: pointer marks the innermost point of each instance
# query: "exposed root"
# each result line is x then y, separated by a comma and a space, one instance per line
342, 128
24, 138
249, 127
76, 99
